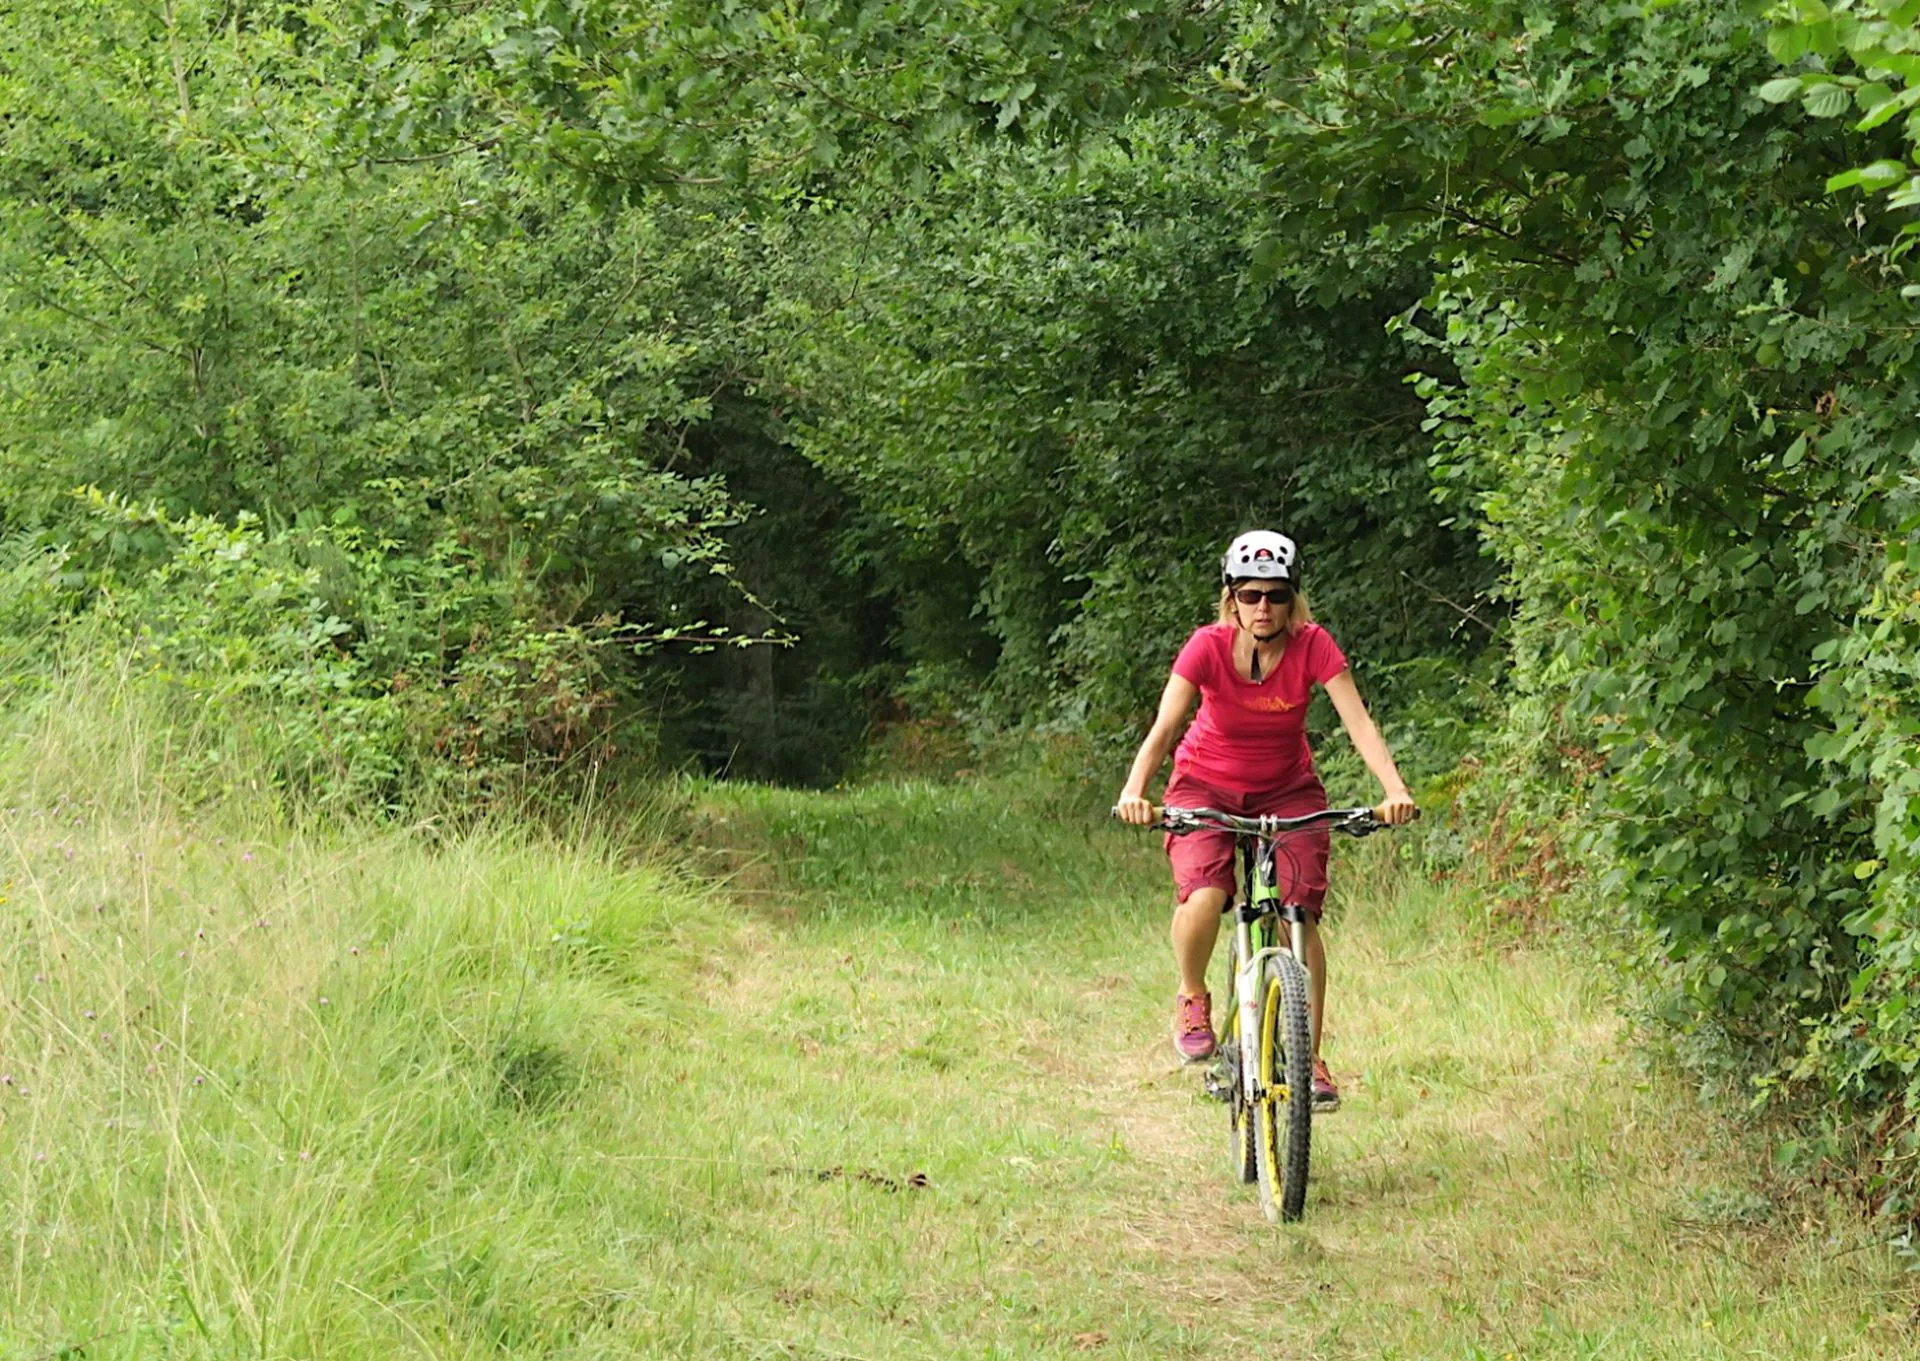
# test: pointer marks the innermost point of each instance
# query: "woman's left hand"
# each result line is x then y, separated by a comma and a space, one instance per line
1397, 809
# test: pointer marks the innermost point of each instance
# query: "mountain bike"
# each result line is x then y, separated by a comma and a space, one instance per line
1263, 1063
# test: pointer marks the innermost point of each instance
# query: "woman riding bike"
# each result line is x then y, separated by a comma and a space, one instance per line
1246, 754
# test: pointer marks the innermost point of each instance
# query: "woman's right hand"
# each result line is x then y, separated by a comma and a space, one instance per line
1134, 809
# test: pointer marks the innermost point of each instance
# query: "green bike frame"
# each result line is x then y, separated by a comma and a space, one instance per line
1254, 916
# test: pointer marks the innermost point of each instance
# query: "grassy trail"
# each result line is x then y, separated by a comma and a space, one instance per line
899, 1089
978, 990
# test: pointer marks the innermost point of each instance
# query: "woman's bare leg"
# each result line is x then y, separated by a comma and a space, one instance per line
1196, 924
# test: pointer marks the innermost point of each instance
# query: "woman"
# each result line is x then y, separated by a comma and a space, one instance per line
1246, 753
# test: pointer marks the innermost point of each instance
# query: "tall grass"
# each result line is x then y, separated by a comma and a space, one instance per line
272, 1089
892, 1081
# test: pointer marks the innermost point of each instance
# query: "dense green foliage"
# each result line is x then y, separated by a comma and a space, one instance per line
1073, 392
449, 400
481, 427
523, 436
1868, 686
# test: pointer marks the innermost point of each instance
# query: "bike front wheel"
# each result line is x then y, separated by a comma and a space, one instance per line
1283, 1112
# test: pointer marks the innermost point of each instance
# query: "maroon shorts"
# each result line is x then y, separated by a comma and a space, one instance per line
1205, 859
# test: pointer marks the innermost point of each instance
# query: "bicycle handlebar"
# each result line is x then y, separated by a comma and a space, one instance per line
1355, 822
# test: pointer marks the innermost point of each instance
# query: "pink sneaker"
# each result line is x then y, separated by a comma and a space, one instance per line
1326, 1096
1193, 1027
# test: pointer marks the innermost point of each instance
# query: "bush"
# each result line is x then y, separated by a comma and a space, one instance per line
331, 672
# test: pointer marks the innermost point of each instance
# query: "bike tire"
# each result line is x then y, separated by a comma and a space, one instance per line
1283, 1117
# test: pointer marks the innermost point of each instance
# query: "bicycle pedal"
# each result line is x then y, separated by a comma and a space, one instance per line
1223, 1072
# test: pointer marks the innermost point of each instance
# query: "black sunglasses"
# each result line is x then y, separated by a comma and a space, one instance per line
1279, 595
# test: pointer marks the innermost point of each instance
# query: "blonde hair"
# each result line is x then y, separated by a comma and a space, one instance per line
1299, 614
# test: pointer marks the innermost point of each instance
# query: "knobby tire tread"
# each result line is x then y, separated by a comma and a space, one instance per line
1286, 1133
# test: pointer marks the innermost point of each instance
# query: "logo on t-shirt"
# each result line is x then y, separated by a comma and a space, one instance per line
1267, 704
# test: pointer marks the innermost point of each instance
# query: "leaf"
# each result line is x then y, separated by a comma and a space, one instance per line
1828, 100
1872, 95
1879, 175
1889, 108
1788, 44
1780, 89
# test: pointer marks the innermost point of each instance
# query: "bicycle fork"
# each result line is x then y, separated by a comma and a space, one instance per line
1248, 980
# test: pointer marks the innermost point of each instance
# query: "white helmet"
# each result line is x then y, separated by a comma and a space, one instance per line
1259, 553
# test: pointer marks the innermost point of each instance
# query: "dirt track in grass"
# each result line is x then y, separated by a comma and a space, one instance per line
1504, 1180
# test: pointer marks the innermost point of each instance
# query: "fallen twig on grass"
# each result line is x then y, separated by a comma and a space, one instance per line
915, 1181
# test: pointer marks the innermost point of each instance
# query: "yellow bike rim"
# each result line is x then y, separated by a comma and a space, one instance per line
1272, 1065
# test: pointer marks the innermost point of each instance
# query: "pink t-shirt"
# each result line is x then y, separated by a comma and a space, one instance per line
1248, 735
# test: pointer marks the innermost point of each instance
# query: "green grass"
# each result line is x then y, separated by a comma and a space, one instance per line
402, 1093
